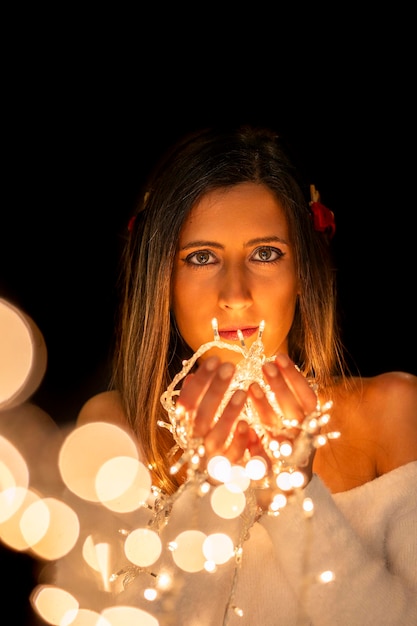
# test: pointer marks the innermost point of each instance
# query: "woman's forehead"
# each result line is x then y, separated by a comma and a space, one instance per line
247, 209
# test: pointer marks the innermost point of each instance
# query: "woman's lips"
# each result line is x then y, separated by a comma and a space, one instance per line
231, 334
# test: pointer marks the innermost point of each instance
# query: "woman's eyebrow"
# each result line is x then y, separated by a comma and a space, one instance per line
264, 240
202, 243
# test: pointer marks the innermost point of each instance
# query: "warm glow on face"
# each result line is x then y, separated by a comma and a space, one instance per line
235, 264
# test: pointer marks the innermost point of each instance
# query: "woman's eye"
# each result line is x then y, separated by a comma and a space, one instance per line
201, 257
267, 254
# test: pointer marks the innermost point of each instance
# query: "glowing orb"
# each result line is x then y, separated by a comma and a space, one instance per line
42, 526
256, 468
19, 499
219, 468
83, 617
227, 503
188, 554
123, 484
238, 478
22, 356
86, 449
218, 548
283, 481
13, 473
128, 616
53, 603
143, 547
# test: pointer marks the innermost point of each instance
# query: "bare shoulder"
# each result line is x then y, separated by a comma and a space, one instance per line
103, 407
394, 395
377, 421
388, 407
395, 381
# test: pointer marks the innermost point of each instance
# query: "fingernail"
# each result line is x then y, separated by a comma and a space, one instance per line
256, 390
238, 397
226, 370
242, 427
271, 369
211, 363
282, 360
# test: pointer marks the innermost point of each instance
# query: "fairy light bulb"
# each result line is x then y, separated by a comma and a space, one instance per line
256, 468
238, 478
219, 468
326, 577
283, 481
150, 594
308, 507
285, 448
285, 458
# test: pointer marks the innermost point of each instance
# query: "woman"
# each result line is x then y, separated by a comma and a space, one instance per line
225, 232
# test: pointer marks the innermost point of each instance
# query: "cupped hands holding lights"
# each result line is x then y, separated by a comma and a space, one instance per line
225, 254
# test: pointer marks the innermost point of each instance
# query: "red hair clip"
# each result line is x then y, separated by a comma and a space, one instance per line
323, 218
131, 223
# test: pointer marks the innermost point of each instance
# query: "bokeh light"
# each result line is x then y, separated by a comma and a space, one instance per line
52, 603
128, 616
188, 554
227, 502
123, 484
10, 530
23, 356
84, 452
143, 547
218, 548
50, 527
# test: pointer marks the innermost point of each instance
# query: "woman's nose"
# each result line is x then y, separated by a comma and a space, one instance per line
234, 292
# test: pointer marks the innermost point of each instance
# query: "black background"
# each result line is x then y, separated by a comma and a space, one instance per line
88, 107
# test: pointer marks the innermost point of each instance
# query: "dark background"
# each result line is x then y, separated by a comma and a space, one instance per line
88, 107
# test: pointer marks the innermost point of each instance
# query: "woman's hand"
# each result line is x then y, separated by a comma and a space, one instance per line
203, 392
295, 397
200, 398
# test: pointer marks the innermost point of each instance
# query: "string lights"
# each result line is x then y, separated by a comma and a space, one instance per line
124, 530
287, 456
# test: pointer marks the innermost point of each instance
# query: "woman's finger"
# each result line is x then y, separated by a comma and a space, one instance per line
227, 436
195, 385
297, 382
292, 392
203, 393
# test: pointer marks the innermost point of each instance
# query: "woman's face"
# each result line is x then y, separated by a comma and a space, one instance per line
235, 263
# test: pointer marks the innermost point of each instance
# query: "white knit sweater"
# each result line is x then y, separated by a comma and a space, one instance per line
366, 536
